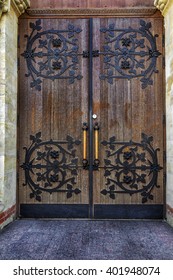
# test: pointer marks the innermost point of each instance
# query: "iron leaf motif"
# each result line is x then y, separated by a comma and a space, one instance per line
51, 54
51, 166
130, 53
131, 168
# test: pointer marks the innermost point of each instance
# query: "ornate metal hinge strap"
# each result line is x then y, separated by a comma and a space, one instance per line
51, 165
86, 54
130, 53
52, 54
132, 168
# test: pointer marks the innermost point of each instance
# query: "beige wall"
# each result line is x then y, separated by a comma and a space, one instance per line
9, 13
8, 109
166, 7
168, 14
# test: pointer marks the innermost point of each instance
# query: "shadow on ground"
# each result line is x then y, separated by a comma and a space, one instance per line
79, 239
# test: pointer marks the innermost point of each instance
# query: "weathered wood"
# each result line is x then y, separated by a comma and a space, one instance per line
45, 4
56, 111
123, 109
131, 111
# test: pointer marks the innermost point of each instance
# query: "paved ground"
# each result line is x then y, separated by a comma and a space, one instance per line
79, 239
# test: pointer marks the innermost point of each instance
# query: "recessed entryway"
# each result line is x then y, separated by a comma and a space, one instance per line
91, 118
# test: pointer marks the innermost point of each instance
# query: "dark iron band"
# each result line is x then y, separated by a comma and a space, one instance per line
90, 118
126, 211
78, 211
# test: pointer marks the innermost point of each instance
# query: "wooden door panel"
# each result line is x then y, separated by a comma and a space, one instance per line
131, 120
52, 110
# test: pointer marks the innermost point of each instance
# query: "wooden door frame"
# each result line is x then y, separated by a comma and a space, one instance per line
92, 12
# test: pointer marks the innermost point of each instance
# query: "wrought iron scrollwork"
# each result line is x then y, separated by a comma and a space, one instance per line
131, 168
86, 54
130, 53
51, 165
52, 54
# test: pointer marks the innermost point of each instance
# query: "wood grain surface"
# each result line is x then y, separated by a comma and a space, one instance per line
123, 108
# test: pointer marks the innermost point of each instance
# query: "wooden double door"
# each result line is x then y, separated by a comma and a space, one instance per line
91, 118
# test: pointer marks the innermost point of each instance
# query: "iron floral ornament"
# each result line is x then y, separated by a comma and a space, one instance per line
130, 53
51, 165
52, 54
131, 168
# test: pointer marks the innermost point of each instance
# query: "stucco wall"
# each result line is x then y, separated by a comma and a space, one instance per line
8, 115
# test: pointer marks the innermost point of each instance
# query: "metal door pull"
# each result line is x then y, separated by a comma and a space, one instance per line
85, 161
96, 145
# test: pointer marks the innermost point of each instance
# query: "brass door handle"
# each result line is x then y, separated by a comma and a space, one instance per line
96, 145
85, 161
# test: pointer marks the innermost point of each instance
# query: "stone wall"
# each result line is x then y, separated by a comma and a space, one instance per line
8, 106
166, 7
8, 111
168, 13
